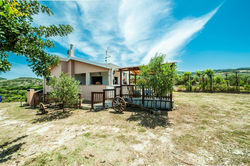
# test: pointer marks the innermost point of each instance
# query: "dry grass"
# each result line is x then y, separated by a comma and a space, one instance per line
205, 129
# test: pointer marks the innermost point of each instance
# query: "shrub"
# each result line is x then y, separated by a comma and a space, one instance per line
247, 87
65, 90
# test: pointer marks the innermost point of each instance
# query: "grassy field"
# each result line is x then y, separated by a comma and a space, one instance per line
204, 129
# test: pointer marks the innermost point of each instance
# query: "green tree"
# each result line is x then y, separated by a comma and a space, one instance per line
199, 74
219, 80
187, 76
210, 74
65, 89
158, 76
19, 36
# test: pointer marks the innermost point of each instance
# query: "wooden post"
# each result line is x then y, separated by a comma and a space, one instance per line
80, 100
120, 83
129, 77
143, 95
226, 81
114, 91
92, 100
211, 83
189, 83
237, 81
171, 100
135, 78
103, 102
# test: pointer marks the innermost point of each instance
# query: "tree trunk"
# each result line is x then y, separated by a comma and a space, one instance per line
203, 80
63, 107
189, 83
211, 83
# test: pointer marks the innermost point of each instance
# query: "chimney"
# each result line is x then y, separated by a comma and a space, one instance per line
70, 52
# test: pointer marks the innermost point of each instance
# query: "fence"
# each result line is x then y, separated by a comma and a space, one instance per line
128, 91
97, 97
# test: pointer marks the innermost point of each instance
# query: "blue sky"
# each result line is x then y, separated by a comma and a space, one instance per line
198, 34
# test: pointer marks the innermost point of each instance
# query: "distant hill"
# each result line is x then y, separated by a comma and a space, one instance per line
26, 78
241, 70
244, 70
22, 81
1, 78
16, 89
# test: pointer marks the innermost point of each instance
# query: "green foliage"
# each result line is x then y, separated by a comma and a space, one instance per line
225, 82
247, 87
17, 35
187, 77
210, 74
198, 73
16, 89
65, 89
158, 76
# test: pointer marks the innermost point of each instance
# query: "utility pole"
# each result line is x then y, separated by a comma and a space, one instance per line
107, 56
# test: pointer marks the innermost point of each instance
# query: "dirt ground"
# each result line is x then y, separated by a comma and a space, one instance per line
204, 129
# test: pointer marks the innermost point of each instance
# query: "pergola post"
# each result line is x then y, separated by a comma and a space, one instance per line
135, 78
120, 83
129, 77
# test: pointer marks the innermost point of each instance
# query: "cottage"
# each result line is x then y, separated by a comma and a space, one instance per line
93, 76
103, 83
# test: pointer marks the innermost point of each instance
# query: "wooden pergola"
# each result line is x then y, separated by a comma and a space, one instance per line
134, 71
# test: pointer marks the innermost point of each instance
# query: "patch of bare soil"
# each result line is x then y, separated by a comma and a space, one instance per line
205, 129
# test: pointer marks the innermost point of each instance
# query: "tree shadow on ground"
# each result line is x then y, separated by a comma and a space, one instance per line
54, 114
85, 108
147, 119
13, 141
31, 107
6, 154
114, 112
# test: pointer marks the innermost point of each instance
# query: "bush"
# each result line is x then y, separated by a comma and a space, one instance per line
65, 89
247, 87
220, 87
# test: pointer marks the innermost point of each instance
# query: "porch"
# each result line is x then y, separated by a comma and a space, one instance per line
131, 93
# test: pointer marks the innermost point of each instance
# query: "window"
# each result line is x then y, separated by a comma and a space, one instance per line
96, 80
81, 78
115, 81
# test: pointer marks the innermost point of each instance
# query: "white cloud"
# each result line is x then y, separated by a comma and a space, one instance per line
179, 35
136, 30
137, 20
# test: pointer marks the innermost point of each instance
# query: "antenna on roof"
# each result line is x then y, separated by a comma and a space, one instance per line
107, 55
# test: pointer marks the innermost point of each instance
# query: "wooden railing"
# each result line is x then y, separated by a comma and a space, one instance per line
144, 93
109, 94
97, 97
48, 99
127, 91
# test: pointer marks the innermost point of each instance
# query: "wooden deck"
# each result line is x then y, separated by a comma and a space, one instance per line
136, 95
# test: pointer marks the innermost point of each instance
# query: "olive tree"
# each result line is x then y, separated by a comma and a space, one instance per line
199, 74
158, 76
65, 89
210, 74
187, 76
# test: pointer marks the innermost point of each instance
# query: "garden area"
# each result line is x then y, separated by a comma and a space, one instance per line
227, 80
203, 129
